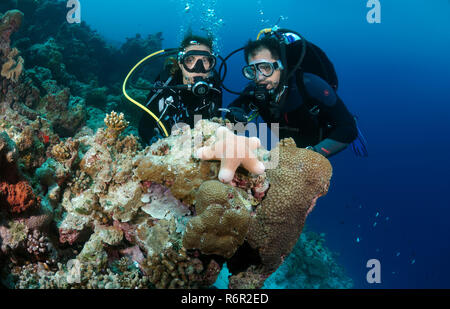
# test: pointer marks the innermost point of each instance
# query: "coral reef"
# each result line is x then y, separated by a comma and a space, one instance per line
82, 205
311, 265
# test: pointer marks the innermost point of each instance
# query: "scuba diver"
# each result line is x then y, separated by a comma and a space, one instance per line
293, 83
187, 86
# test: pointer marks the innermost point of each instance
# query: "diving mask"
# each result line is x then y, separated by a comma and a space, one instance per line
261, 66
197, 61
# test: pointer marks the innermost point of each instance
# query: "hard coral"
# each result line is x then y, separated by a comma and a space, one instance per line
66, 152
176, 269
221, 223
301, 177
115, 123
233, 150
17, 197
13, 67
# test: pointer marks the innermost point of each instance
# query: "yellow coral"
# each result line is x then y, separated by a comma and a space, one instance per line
115, 123
66, 152
60, 152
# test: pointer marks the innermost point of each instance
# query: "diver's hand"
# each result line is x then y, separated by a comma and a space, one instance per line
238, 114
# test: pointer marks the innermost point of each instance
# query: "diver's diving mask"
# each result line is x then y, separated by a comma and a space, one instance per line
261, 66
197, 61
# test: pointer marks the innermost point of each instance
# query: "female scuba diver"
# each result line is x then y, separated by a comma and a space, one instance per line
188, 86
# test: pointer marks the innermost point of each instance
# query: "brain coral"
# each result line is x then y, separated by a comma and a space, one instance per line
300, 178
221, 223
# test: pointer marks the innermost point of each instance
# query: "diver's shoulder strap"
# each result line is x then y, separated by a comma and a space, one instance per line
151, 97
312, 104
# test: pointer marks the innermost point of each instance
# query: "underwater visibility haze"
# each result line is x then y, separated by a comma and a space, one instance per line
86, 203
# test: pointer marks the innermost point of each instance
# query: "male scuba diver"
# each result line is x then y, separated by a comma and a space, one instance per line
186, 87
284, 90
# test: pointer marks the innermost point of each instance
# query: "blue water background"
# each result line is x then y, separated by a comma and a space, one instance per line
394, 75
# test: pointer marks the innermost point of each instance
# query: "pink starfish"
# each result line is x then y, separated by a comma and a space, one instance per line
232, 150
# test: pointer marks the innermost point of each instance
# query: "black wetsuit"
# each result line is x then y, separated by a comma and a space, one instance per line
177, 107
329, 130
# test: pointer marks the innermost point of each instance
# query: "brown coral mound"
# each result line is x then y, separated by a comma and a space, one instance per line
221, 223
301, 176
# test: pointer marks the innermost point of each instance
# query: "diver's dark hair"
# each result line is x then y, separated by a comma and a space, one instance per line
189, 38
270, 43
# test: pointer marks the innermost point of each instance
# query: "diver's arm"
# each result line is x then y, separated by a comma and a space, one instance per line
344, 129
329, 147
333, 110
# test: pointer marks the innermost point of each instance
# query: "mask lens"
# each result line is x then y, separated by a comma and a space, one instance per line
265, 68
189, 61
249, 72
208, 62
